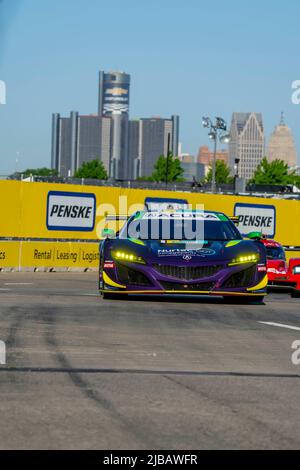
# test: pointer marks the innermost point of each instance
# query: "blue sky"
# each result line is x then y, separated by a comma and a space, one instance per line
190, 58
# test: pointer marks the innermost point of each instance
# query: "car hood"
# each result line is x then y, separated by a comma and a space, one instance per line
165, 252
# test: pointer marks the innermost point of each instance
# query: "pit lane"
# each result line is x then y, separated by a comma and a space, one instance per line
83, 372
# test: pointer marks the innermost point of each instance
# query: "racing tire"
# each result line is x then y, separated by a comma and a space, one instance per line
295, 294
110, 296
244, 300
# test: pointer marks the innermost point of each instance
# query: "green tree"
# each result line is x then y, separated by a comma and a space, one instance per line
93, 169
275, 172
39, 172
222, 173
168, 165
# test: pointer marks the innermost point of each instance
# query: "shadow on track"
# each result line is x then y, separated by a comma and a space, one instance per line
181, 299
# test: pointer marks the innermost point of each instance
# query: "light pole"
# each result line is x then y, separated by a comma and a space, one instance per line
168, 157
217, 131
236, 172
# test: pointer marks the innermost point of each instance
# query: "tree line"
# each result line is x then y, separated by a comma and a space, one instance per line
169, 169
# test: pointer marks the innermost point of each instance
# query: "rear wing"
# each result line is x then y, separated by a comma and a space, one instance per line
115, 217
159, 203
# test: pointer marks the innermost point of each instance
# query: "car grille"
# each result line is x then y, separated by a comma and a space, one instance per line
199, 286
128, 275
241, 279
187, 273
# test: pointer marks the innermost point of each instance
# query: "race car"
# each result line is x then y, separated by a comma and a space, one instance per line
282, 275
181, 252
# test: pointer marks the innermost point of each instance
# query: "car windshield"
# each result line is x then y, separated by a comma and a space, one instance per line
275, 253
181, 230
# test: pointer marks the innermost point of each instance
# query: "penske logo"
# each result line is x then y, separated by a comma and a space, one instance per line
256, 217
71, 211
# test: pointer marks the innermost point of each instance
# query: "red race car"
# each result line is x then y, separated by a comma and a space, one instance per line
282, 274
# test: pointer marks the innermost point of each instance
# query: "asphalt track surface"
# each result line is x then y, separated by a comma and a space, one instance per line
87, 373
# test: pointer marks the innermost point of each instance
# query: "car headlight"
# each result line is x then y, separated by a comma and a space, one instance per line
297, 270
129, 257
244, 259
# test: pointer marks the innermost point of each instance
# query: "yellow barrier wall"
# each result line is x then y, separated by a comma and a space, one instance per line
49, 254
23, 209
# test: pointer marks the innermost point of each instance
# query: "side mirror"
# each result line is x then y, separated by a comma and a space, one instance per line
108, 233
255, 235
235, 219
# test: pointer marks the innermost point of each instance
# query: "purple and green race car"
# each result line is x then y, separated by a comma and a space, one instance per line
182, 252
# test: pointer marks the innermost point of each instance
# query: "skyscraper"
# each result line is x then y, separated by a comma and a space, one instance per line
282, 145
128, 149
80, 139
114, 90
155, 134
206, 156
133, 144
246, 142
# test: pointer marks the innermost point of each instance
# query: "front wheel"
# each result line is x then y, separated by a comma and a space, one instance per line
231, 299
295, 294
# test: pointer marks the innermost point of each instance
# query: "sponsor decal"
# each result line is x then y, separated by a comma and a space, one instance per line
262, 269
277, 271
181, 215
256, 217
71, 211
109, 265
177, 252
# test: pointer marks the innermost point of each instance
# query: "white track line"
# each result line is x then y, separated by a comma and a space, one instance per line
18, 283
280, 325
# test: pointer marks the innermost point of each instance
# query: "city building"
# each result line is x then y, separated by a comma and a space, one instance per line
114, 92
296, 169
282, 145
247, 143
193, 171
133, 144
78, 139
156, 136
206, 156
186, 158
127, 148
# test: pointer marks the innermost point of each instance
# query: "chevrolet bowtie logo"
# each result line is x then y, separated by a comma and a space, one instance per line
117, 91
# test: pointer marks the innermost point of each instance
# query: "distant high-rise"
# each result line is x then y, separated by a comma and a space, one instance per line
128, 149
80, 139
133, 144
154, 136
247, 142
193, 170
205, 156
114, 90
282, 145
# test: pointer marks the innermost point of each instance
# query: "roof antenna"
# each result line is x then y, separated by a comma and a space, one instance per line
282, 123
